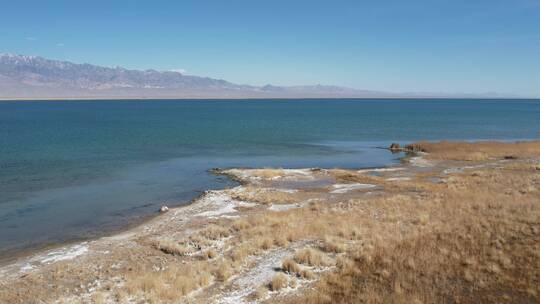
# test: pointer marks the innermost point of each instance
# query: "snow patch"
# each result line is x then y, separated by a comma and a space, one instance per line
344, 188
298, 171
283, 207
286, 190
380, 170
419, 161
245, 204
398, 179
222, 203
460, 169
294, 174
64, 254
261, 273
27, 267
244, 174
278, 174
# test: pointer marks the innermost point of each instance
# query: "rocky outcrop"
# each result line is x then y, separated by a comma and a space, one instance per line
163, 209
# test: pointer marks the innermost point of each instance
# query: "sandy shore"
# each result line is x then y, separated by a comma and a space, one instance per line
284, 233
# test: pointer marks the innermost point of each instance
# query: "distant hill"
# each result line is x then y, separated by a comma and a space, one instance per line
37, 77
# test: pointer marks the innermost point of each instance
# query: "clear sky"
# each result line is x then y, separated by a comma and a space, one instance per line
423, 46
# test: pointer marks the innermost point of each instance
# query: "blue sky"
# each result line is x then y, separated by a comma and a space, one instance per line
423, 46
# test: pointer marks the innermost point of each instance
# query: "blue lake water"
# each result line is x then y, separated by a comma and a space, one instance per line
70, 170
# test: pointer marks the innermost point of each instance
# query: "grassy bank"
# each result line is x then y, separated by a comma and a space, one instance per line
462, 227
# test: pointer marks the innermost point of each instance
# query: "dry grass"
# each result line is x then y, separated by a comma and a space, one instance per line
266, 196
291, 267
215, 232
242, 251
240, 224
475, 238
172, 283
333, 245
470, 240
344, 263
265, 243
210, 254
341, 175
223, 272
281, 241
306, 274
478, 151
98, 298
278, 282
311, 257
258, 294
172, 247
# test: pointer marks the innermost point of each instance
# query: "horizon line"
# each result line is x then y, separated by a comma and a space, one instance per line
415, 94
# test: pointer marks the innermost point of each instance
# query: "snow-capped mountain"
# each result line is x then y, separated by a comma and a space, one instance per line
37, 77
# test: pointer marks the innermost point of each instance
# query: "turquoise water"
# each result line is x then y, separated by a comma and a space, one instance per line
71, 170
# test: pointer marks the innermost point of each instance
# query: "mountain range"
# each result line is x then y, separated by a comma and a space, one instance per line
33, 77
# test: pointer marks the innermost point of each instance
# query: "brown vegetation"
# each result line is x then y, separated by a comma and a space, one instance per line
474, 240
258, 294
224, 271
169, 284
172, 247
210, 253
278, 282
333, 245
214, 232
470, 237
291, 267
477, 151
311, 257
265, 196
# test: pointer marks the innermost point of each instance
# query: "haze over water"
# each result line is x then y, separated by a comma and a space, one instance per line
76, 169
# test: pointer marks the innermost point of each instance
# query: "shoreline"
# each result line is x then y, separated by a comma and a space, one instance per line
28, 253
232, 245
11, 258
41, 252
16, 255
134, 221
37, 254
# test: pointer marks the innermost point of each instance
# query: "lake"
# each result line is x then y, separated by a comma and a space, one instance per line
71, 170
